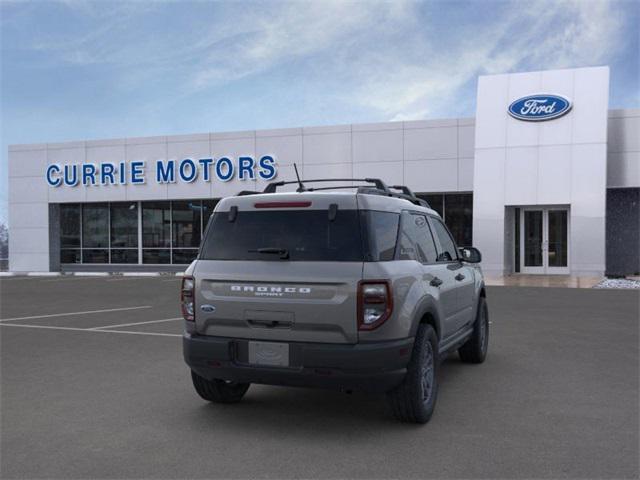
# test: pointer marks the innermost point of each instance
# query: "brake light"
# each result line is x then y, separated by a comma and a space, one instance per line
375, 303
186, 299
282, 204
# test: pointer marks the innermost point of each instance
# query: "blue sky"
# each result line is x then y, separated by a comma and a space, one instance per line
74, 70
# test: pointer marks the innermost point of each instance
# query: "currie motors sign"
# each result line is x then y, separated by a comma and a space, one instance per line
540, 107
187, 170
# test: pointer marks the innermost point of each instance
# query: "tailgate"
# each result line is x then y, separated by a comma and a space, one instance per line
278, 301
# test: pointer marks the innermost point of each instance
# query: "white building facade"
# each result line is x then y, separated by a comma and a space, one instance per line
545, 179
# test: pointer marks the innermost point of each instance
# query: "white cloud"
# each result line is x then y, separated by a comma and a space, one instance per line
527, 36
389, 57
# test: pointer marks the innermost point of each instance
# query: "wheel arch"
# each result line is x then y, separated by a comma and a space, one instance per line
428, 314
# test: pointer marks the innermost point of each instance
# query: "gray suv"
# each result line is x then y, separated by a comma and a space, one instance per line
356, 286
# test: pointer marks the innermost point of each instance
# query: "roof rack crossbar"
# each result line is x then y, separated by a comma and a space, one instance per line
273, 186
412, 196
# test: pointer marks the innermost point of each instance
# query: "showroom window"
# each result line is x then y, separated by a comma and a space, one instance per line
133, 232
95, 233
124, 232
186, 221
456, 209
70, 238
156, 232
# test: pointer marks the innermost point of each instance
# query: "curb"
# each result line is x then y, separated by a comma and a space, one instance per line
91, 274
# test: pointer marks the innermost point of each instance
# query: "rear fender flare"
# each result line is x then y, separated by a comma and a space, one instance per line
427, 307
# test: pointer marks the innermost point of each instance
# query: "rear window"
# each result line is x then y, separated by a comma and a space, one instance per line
305, 235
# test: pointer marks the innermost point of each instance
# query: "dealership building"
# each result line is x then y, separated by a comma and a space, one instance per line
544, 180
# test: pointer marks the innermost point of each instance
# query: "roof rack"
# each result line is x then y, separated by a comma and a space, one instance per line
379, 184
378, 187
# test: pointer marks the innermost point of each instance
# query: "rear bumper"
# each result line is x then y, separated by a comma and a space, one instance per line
371, 367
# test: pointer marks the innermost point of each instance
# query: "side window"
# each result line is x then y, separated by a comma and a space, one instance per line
449, 252
381, 233
416, 242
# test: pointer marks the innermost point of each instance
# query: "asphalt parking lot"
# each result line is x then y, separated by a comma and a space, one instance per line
93, 386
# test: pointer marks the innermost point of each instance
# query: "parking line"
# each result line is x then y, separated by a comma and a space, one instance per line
75, 313
125, 279
48, 327
68, 278
136, 323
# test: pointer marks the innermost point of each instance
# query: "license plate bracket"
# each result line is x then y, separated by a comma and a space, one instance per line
269, 354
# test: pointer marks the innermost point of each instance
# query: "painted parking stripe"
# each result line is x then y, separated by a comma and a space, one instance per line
68, 278
136, 323
73, 329
75, 313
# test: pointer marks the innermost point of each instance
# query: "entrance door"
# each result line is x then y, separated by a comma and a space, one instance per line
544, 244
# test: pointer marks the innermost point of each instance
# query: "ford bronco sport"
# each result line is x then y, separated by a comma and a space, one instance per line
330, 287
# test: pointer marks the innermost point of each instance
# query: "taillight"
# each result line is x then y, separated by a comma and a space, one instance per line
375, 303
186, 298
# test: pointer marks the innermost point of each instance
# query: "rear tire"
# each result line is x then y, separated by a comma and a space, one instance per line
219, 391
414, 400
475, 349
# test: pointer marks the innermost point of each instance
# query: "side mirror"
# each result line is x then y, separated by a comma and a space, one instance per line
470, 255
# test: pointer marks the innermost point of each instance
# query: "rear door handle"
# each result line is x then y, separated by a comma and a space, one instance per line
436, 282
459, 277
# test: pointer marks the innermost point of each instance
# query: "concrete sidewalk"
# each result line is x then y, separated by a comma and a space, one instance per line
558, 281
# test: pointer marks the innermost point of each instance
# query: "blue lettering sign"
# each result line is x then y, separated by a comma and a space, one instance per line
71, 175
206, 168
88, 174
267, 168
228, 165
51, 180
246, 165
137, 172
165, 174
166, 171
106, 173
189, 174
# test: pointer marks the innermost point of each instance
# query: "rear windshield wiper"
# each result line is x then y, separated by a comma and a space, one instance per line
283, 252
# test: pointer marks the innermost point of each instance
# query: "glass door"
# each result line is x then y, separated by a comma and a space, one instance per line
557, 246
544, 244
532, 249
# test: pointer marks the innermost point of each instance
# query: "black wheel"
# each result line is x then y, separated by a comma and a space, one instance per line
415, 398
219, 391
475, 349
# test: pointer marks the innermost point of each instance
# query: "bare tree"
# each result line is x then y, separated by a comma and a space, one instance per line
4, 241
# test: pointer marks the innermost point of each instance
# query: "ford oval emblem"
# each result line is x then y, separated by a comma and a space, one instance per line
536, 108
208, 308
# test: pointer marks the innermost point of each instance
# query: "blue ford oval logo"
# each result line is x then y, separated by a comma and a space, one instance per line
208, 308
536, 108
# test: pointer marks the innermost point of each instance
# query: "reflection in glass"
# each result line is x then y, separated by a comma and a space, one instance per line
533, 238
95, 225
156, 256
70, 255
69, 225
557, 238
435, 201
184, 255
208, 206
186, 224
124, 225
156, 224
95, 256
127, 255
459, 217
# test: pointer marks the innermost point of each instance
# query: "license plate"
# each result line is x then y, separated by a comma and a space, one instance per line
269, 353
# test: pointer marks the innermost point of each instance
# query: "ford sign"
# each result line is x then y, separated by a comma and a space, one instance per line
536, 108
